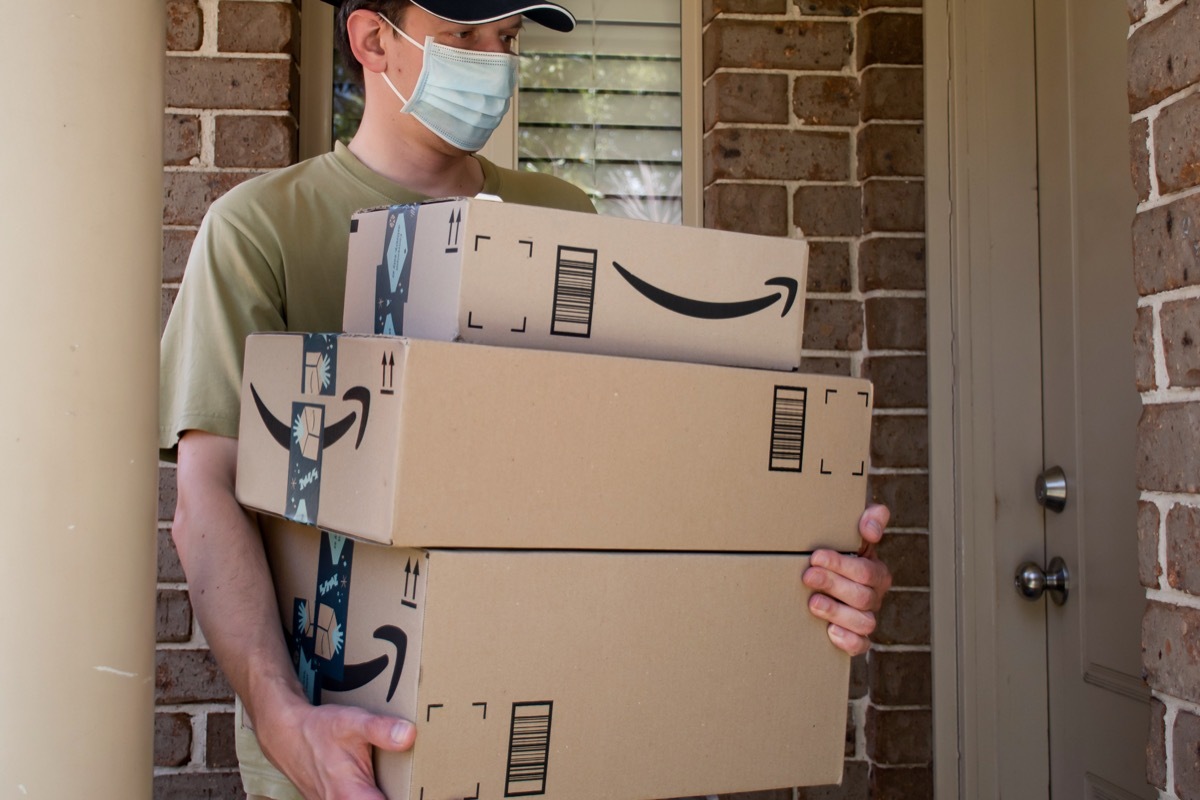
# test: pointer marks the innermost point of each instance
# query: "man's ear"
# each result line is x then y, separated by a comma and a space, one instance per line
365, 31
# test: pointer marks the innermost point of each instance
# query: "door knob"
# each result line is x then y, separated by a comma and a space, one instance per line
1031, 581
1050, 489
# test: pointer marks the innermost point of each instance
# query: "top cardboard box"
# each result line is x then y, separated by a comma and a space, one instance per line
487, 272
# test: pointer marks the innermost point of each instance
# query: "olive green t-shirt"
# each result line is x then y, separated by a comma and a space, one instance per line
271, 256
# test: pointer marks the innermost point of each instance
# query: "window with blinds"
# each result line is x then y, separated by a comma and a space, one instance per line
601, 107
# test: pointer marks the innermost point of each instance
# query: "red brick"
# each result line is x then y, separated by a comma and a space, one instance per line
1183, 549
828, 8
1143, 350
244, 27
885, 263
826, 365
185, 25
896, 323
891, 150
858, 676
894, 206
907, 557
219, 747
893, 93
233, 83
900, 381
189, 676
869, 4
1185, 747
901, 678
903, 619
777, 44
1171, 650
899, 440
172, 739
174, 616
906, 496
187, 195
1149, 569
772, 154
828, 210
181, 139
199, 786
167, 494
714, 7
168, 302
826, 99
1176, 146
256, 141
169, 568
853, 786
833, 324
901, 783
1180, 323
748, 208
890, 38
1163, 57
899, 736
828, 266
1156, 749
1166, 246
1139, 157
1168, 448
756, 97
177, 244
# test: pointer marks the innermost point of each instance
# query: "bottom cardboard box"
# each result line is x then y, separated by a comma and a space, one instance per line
568, 674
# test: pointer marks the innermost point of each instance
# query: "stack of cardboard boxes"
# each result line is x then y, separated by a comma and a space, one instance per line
606, 598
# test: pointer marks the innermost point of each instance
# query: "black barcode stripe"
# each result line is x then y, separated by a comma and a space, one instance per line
528, 749
574, 292
787, 429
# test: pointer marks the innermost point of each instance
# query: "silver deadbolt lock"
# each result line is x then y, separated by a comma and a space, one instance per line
1050, 489
1031, 581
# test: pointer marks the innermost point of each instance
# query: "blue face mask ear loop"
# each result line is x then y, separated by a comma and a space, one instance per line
411, 41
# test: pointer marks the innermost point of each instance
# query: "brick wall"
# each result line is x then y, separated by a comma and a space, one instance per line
1164, 100
814, 120
230, 99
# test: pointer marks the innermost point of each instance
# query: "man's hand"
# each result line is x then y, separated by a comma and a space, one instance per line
850, 589
327, 749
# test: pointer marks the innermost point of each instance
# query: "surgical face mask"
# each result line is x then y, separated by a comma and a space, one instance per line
461, 95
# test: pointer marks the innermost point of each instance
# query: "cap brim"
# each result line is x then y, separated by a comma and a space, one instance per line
551, 15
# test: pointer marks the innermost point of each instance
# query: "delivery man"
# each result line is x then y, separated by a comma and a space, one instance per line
271, 256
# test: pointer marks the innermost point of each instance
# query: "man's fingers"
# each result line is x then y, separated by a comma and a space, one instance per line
857, 581
871, 525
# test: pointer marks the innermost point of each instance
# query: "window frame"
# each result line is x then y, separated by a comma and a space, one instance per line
315, 115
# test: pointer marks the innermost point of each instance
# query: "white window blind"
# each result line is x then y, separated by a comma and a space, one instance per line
602, 106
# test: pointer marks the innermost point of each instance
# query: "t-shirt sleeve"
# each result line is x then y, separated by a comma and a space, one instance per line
230, 289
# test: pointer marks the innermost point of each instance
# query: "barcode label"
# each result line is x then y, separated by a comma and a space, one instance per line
528, 749
574, 292
787, 429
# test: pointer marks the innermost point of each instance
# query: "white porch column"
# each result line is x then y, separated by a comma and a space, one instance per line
81, 109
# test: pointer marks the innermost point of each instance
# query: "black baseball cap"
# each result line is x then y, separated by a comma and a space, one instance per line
477, 12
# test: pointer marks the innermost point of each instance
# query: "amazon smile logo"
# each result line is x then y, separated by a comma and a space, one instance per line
705, 309
281, 432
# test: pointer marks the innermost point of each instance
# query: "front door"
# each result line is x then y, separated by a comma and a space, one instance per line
1099, 710
1032, 307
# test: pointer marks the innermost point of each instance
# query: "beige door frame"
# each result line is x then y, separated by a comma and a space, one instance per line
984, 384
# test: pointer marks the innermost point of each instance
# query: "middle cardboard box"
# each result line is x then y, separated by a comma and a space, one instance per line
439, 444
